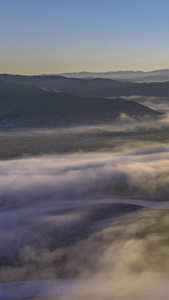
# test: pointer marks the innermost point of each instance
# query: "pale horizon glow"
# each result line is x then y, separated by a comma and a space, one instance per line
48, 37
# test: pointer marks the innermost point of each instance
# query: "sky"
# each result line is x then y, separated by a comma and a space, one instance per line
54, 36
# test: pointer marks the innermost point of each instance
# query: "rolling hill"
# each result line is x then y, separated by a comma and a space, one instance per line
25, 105
95, 87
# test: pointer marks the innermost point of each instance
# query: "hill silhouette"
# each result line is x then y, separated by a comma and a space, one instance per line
33, 106
95, 87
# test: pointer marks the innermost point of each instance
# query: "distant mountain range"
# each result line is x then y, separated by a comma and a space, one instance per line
95, 87
151, 76
25, 105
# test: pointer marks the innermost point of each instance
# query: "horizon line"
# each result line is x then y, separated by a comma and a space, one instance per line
90, 72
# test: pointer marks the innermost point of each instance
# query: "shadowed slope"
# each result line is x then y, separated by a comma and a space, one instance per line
96, 87
31, 106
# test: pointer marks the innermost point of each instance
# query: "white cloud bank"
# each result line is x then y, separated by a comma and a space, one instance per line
128, 256
138, 174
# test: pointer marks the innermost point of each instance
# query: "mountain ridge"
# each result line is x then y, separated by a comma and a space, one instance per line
144, 76
26, 105
95, 87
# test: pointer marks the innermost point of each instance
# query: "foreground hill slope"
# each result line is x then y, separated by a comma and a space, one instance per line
32, 106
95, 87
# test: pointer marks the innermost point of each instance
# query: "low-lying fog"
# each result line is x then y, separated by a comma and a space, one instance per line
121, 249
83, 216
136, 174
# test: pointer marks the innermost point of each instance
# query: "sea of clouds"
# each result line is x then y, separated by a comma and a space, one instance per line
118, 251
136, 174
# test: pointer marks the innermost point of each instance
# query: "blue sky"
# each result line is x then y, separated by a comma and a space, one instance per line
51, 36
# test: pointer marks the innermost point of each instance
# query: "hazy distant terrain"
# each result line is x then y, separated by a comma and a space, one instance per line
151, 76
94, 87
